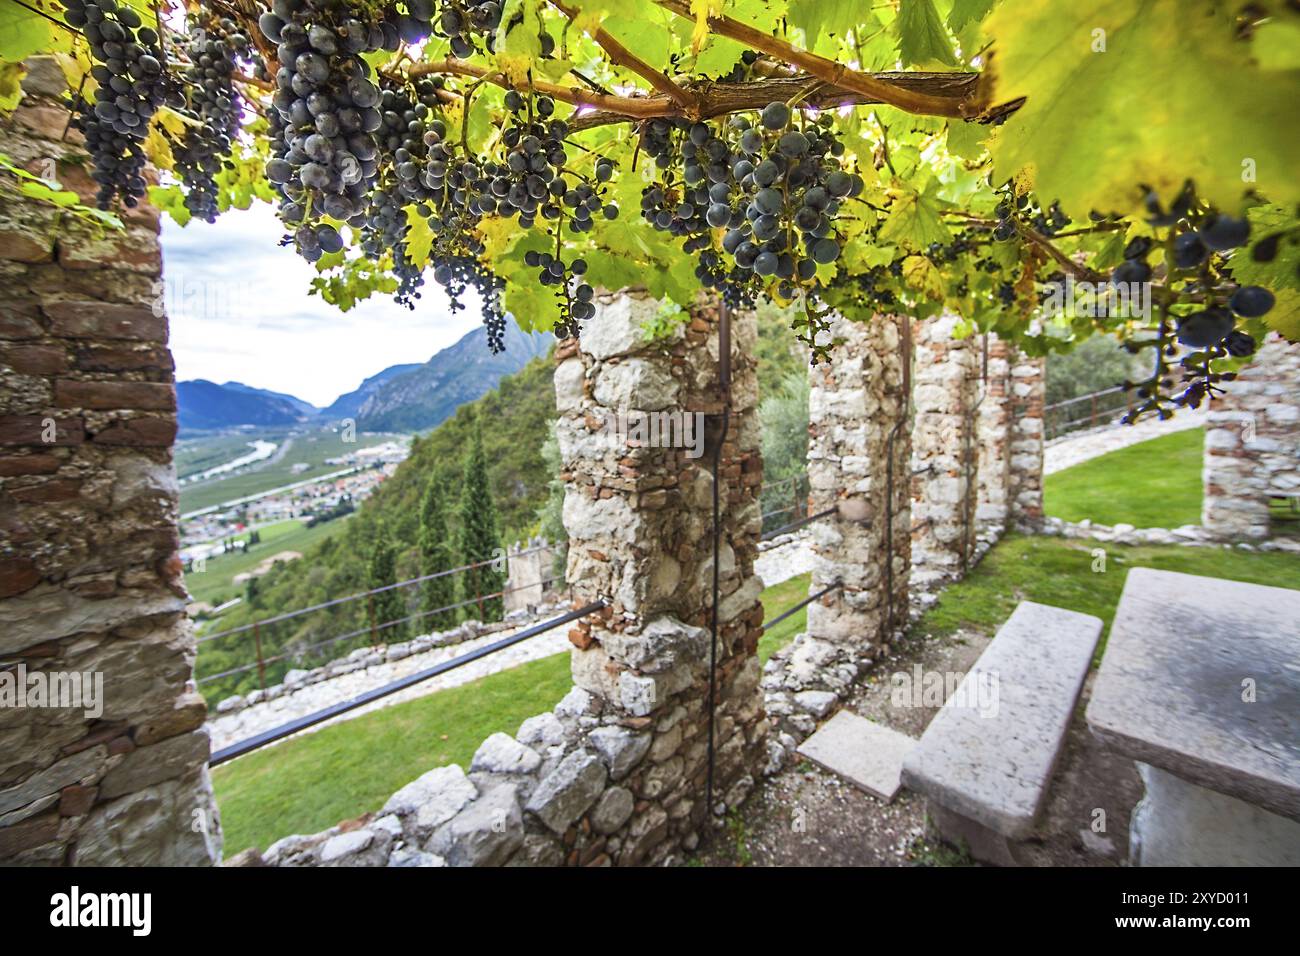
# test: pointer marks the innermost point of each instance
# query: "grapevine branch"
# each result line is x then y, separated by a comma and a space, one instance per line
837, 74
719, 99
622, 56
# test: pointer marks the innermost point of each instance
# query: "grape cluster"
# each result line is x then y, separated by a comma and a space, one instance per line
461, 20
789, 186
213, 51
131, 85
574, 295
329, 110
1022, 207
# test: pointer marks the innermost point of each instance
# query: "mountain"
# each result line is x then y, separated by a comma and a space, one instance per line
428, 395
306, 409
347, 405
202, 405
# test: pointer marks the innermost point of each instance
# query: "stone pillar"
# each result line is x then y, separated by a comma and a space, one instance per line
639, 519
944, 450
528, 573
102, 748
1025, 488
857, 412
993, 426
1252, 444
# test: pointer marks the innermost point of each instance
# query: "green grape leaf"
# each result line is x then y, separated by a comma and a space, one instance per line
819, 18
419, 237
1094, 126
966, 139
1284, 270
22, 32
922, 40
1284, 317
967, 12
914, 220
171, 200
718, 56
11, 86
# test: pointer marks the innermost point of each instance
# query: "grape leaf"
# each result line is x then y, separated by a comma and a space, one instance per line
820, 18
1284, 317
966, 139
922, 39
1094, 127
1284, 270
1277, 45
22, 32
966, 12
419, 237
914, 221
11, 85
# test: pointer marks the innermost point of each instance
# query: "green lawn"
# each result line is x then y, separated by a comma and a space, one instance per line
214, 584
776, 600
314, 781
1154, 484
1059, 572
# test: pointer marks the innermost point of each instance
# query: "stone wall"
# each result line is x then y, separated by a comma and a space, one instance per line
945, 450
856, 403
993, 428
1252, 444
616, 773
1025, 485
90, 580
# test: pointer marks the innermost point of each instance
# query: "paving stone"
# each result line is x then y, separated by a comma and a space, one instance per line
867, 754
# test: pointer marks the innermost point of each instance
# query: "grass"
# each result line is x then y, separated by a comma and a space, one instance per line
776, 600
1059, 572
1153, 484
310, 449
312, 782
214, 583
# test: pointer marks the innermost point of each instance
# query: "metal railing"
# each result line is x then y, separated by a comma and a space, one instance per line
360, 700
372, 626
1085, 411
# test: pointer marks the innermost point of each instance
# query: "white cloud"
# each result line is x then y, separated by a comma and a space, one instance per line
239, 310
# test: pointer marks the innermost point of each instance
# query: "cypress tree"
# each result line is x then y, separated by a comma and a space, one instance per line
479, 540
436, 554
388, 605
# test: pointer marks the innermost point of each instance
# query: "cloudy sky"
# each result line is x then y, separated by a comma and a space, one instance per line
239, 310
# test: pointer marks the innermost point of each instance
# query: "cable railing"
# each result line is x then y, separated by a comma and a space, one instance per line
347, 614
1085, 411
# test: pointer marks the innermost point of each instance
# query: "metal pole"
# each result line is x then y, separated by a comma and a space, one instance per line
261, 665
374, 631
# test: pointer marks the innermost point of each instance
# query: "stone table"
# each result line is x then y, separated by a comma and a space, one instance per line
1200, 685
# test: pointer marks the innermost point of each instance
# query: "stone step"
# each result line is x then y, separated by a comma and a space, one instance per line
867, 754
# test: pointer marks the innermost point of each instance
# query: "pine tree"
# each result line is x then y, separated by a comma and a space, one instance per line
436, 554
479, 540
388, 605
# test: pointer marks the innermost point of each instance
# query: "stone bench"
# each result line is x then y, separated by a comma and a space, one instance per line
985, 761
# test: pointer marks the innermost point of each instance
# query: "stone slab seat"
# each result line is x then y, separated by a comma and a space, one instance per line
986, 759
